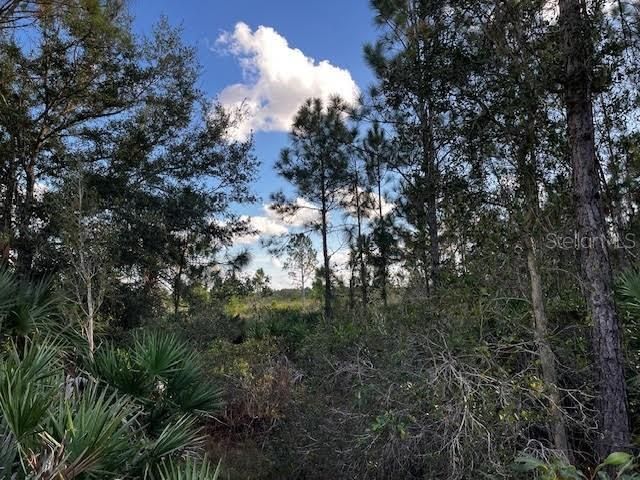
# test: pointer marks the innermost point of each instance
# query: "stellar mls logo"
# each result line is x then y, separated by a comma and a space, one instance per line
554, 241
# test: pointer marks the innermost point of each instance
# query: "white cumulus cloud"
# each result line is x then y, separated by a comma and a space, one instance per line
263, 227
305, 214
278, 79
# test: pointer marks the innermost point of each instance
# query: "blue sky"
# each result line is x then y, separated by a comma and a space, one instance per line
268, 56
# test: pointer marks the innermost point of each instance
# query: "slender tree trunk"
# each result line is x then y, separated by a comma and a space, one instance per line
434, 241
25, 246
90, 317
613, 197
363, 266
84, 268
352, 287
594, 256
425, 262
328, 312
7, 211
431, 198
383, 252
529, 179
429, 166
302, 282
176, 286
547, 358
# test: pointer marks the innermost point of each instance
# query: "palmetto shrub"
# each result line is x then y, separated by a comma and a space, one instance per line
190, 470
629, 290
52, 427
617, 465
33, 308
161, 374
629, 302
134, 415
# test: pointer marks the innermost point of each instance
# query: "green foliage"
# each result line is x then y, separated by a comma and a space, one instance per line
301, 260
90, 432
158, 355
180, 437
189, 470
8, 449
629, 289
27, 307
54, 426
159, 371
617, 466
58, 429
134, 102
289, 324
467, 349
259, 382
28, 382
7, 295
317, 165
114, 365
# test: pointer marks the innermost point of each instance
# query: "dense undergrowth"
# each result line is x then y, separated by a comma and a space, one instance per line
445, 389
278, 392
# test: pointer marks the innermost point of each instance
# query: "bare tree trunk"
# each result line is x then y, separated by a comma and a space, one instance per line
88, 263
25, 246
328, 312
327, 269
429, 165
363, 266
547, 358
434, 241
530, 179
425, 262
90, 318
7, 211
384, 253
613, 198
302, 282
176, 285
594, 256
431, 200
84, 269
352, 288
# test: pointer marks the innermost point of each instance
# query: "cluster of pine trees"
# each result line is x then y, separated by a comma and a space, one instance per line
504, 133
